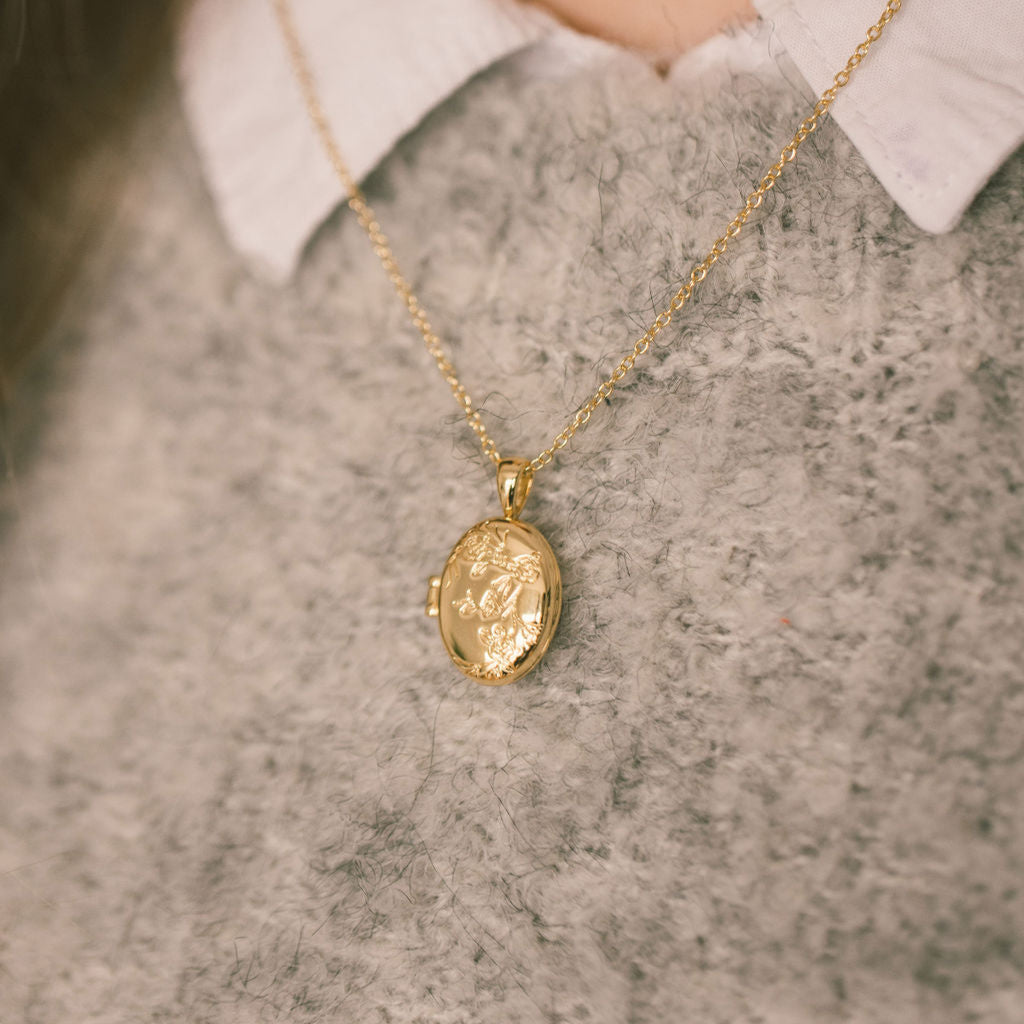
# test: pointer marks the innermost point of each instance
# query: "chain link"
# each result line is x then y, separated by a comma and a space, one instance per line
382, 247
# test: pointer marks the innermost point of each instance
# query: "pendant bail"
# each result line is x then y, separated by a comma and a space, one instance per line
515, 478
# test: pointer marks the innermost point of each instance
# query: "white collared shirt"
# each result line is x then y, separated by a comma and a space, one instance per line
934, 111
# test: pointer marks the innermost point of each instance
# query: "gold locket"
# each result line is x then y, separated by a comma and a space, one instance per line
499, 596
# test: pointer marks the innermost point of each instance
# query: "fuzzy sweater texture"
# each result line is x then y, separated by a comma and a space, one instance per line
770, 770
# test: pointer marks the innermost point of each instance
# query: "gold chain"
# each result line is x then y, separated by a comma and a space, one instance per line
367, 219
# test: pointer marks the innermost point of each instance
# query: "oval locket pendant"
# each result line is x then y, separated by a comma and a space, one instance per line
499, 596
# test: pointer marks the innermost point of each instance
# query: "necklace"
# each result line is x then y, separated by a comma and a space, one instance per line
499, 596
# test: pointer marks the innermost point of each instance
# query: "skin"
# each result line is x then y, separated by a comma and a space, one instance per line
662, 28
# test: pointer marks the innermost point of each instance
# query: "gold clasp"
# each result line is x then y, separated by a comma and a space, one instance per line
515, 478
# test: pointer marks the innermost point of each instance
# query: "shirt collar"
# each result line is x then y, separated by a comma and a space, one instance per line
937, 107
934, 111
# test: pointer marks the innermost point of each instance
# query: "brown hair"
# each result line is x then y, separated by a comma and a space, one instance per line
71, 72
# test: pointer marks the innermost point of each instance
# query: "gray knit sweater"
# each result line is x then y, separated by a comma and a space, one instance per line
770, 770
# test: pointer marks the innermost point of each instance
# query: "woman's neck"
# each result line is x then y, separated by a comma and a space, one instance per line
662, 28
